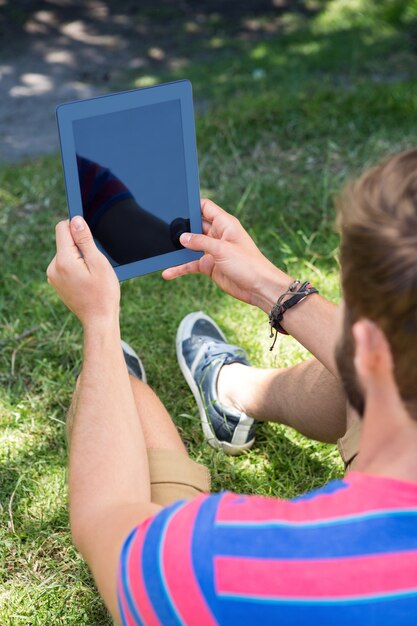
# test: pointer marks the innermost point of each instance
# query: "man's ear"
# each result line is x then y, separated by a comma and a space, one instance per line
373, 359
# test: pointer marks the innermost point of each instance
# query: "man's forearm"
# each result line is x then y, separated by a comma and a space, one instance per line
108, 461
314, 322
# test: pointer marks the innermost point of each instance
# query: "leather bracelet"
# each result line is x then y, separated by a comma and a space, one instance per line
297, 292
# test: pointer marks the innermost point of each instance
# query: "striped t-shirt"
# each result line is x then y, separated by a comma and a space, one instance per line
100, 189
344, 554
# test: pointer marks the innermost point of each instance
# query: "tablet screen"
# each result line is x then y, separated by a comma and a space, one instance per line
132, 177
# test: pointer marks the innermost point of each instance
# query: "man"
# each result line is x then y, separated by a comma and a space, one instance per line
126, 231
346, 553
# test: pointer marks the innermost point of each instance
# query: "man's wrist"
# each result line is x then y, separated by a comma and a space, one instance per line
273, 282
101, 328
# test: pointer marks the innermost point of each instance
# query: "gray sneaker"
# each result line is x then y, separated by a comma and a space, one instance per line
133, 362
202, 350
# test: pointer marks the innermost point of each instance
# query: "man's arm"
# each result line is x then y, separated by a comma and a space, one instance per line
234, 262
314, 322
108, 470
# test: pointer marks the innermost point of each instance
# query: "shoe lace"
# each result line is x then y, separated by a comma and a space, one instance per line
213, 352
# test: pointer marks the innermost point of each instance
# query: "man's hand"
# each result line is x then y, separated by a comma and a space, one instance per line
82, 276
231, 259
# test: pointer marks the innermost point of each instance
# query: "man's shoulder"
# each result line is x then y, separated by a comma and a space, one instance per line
247, 510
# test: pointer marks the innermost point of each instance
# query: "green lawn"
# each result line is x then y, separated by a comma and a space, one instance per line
282, 121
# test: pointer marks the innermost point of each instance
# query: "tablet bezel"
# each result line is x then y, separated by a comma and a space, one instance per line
71, 111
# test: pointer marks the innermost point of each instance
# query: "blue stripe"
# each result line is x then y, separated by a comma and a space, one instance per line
356, 538
204, 548
343, 519
151, 564
124, 562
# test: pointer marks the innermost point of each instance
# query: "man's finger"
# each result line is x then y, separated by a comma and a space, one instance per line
64, 241
206, 226
210, 210
83, 238
202, 243
181, 270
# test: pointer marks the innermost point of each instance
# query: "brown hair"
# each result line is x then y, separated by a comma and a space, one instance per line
378, 223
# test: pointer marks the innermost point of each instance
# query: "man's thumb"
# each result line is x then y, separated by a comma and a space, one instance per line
82, 236
199, 242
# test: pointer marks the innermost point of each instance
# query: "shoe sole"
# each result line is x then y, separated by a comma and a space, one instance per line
228, 448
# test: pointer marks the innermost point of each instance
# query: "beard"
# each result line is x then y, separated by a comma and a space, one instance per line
344, 354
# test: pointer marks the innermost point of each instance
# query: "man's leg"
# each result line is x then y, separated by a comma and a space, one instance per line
173, 475
158, 428
306, 397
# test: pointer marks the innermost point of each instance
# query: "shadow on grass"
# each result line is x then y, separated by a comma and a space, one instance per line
174, 24
276, 466
174, 35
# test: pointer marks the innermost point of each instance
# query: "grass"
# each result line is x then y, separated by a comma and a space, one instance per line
281, 124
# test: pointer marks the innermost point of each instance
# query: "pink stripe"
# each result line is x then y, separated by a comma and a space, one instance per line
178, 568
135, 576
357, 498
324, 578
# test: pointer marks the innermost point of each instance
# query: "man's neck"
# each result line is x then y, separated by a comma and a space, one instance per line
389, 438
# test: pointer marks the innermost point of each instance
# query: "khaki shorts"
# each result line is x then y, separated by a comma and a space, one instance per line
174, 476
349, 445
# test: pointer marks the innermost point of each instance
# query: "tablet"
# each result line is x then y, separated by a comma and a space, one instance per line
130, 169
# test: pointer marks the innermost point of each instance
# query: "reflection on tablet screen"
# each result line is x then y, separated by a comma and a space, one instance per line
132, 177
